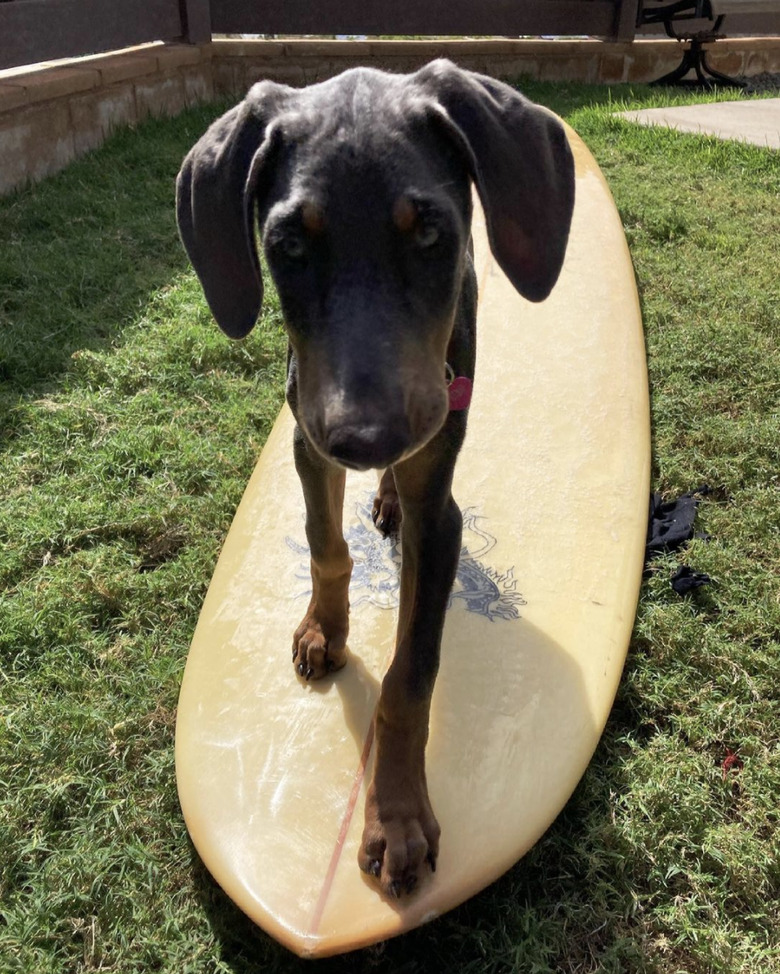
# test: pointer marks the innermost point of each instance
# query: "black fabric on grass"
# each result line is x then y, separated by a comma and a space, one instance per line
686, 580
671, 522
669, 528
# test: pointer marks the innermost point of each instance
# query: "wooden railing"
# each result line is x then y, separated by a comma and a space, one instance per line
41, 30
601, 18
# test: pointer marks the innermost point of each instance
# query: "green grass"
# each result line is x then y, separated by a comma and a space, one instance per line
128, 428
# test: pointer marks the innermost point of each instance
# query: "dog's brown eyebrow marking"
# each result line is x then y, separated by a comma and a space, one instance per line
312, 217
404, 214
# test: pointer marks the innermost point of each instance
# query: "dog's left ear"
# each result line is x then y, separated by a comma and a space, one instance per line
522, 167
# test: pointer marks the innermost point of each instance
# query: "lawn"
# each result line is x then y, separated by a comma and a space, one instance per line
129, 425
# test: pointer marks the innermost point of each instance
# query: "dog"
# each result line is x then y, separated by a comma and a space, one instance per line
360, 188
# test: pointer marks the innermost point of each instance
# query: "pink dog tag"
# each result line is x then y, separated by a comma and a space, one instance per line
460, 393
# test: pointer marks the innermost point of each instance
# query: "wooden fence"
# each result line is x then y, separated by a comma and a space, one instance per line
40, 30
43, 30
603, 18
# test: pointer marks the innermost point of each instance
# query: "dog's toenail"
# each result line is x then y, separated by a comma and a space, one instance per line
301, 669
395, 889
375, 868
411, 882
431, 860
310, 673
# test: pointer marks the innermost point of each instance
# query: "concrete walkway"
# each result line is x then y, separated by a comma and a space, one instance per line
746, 121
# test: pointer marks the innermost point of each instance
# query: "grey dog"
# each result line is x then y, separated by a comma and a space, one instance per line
361, 190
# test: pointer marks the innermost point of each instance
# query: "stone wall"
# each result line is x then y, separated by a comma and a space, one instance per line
52, 113
236, 64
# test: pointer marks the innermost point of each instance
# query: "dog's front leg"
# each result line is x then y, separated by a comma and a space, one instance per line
319, 642
401, 832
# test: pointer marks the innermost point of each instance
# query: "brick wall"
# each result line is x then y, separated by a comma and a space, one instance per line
52, 113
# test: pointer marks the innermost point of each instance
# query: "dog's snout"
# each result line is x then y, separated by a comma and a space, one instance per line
361, 447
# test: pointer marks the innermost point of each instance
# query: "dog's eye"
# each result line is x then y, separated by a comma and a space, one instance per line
426, 235
293, 246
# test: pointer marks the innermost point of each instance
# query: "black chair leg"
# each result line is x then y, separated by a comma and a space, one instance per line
695, 59
718, 78
690, 62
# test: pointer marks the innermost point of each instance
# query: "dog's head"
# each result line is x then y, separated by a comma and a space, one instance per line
361, 189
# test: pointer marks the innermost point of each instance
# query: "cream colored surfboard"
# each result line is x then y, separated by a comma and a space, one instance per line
553, 485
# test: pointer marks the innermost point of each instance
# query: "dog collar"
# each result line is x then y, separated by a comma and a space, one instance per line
459, 388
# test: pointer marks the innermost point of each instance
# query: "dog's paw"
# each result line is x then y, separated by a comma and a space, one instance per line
386, 512
400, 841
316, 653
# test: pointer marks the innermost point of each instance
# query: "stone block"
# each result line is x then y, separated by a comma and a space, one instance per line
162, 96
37, 142
770, 45
96, 114
648, 62
727, 61
316, 70
328, 49
228, 76
51, 83
384, 50
172, 56
576, 68
555, 50
760, 60
481, 48
125, 67
400, 64
12, 96
279, 71
612, 69
232, 48
198, 84
512, 69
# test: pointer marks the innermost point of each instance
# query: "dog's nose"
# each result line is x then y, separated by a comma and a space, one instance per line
363, 447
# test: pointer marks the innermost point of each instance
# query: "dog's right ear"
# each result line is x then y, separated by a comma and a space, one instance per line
215, 194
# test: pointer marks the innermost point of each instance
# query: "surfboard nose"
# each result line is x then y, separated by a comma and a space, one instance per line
362, 447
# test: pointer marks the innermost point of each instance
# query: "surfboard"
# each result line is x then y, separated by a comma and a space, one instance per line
553, 484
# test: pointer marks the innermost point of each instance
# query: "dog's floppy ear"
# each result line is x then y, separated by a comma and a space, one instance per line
215, 206
522, 167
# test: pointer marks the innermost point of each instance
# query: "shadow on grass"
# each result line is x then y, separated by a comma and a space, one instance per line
565, 98
84, 251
